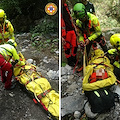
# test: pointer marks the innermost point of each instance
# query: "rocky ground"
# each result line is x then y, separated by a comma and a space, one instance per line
73, 98
16, 104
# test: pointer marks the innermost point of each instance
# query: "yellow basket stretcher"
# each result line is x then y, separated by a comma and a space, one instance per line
98, 61
39, 86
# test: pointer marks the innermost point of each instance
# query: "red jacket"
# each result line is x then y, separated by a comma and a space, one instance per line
63, 27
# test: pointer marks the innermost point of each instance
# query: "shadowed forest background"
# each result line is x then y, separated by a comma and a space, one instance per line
24, 15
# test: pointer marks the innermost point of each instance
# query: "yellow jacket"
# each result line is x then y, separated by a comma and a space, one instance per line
116, 60
8, 52
92, 31
6, 32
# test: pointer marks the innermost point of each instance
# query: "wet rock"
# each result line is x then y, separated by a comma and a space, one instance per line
117, 90
77, 115
88, 111
23, 36
68, 67
23, 50
37, 38
64, 71
72, 88
71, 103
53, 74
30, 61
110, 33
11, 94
63, 80
46, 60
56, 51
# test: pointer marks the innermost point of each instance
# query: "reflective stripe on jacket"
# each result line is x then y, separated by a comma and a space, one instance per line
116, 55
117, 64
8, 51
92, 30
6, 31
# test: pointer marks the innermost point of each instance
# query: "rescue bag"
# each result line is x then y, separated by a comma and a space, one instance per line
101, 100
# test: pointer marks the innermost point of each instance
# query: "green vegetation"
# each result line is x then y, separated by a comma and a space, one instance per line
41, 42
63, 64
30, 16
107, 11
47, 25
24, 13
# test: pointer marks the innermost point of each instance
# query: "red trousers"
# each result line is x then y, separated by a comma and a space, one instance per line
71, 44
6, 66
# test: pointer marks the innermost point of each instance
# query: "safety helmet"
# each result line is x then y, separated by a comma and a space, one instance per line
115, 40
79, 10
2, 13
12, 42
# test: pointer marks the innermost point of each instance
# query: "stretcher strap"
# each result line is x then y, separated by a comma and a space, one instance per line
28, 81
102, 63
40, 96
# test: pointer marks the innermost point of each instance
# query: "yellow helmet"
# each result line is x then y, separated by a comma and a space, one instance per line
2, 13
12, 42
115, 40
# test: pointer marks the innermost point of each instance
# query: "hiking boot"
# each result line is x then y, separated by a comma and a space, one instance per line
74, 59
70, 62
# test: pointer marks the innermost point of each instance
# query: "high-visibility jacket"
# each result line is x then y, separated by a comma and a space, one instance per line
8, 52
63, 27
6, 31
116, 55
92, 31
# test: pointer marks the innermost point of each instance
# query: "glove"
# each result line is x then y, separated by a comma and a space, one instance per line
82, 45
87, 41
21, 63
63, 41
13, 63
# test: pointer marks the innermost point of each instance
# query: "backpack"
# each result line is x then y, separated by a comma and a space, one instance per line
101, 100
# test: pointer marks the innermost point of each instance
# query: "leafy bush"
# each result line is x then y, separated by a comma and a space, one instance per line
49, 24
29, 10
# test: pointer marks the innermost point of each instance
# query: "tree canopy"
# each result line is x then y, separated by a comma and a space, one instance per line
25, 12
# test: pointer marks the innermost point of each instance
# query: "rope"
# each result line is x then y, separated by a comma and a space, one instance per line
102, 38
77, 59
84, 64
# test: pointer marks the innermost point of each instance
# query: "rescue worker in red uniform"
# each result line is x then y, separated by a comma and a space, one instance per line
6, 28
8, 52
69, 38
